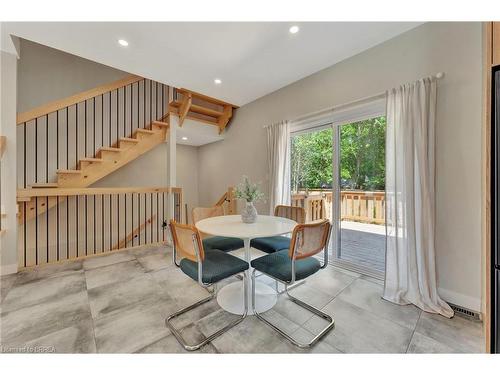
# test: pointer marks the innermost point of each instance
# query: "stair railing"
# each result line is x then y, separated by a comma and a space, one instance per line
228, 201
92, 221
57, 135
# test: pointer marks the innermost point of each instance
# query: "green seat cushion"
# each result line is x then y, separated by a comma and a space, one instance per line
271, 244
222, 243
217, 266
279, 265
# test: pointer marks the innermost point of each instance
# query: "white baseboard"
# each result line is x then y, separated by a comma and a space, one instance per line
461, 299
8, 269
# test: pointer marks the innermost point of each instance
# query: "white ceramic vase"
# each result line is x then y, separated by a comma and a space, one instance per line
249, 213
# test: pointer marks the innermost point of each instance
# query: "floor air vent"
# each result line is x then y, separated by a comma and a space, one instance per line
466, 313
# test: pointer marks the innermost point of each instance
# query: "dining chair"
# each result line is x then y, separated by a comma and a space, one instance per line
297, 263
277, 243
206, 268
215, 242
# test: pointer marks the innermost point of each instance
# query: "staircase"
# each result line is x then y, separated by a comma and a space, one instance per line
134, 111
106, 161
109, 159
198, 107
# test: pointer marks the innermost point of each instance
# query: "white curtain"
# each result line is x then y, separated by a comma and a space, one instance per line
410, 188
278, 158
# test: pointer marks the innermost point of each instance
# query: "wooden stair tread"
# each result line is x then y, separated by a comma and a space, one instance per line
111, 158
145, 131
92, 160
68, 171
131, 140
44, 185
112, 149
160, 123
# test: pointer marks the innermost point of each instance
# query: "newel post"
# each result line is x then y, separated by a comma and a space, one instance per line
231, 201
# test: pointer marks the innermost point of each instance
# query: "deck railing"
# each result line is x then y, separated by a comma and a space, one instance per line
360, 206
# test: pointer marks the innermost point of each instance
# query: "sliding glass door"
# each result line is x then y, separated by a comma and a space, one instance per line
312, 172
360, 195
338, 173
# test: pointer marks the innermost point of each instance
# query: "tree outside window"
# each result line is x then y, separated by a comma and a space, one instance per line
362, 157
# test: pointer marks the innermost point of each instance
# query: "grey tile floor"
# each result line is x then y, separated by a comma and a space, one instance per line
117, 304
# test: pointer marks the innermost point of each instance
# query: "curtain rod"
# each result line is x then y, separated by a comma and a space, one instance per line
438, 76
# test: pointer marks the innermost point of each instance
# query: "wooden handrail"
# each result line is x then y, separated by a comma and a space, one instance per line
228, 197
74, 99
3, 142
23, 194
221, 200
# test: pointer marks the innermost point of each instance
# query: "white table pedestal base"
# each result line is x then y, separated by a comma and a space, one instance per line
230, 298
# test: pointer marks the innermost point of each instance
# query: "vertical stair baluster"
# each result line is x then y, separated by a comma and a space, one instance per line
47, 148
102, 223
67, 227
36, 150
47, 227
109, 111
25, 239
144, 104
24, 161
85, 128
67, 137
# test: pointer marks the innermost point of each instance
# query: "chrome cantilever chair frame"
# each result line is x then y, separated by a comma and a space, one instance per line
288, 285
213, 294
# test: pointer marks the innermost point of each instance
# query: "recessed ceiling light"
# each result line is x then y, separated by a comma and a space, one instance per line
217, 81
184, 138
294, 29
122, 42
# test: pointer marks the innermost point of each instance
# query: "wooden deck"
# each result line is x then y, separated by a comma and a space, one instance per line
363, 244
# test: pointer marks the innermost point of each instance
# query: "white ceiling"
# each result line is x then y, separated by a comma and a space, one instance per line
197, 133
252, 59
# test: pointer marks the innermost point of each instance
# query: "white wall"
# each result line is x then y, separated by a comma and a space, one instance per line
187, 177
454, 48
46, 74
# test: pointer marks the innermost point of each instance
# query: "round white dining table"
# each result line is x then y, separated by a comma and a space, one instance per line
230, 297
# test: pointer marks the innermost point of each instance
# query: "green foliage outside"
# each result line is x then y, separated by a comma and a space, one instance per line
362, 157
